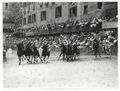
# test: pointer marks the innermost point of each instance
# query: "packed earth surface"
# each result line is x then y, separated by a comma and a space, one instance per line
87, 72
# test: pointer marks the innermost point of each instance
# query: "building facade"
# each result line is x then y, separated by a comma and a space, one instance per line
11, 20
12, 16
38, 16
52, 12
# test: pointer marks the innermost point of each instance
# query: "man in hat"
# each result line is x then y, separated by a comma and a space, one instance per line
63, 50
20, 51
96, 48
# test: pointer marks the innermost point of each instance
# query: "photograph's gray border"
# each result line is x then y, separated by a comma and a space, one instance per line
1, 40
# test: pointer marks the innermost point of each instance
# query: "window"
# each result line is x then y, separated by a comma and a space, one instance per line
24, 5
33, 18
20, 21
24, 21
28, 9
99, 4
41, 4
29, 19
33, 6
58, 12
46, 4
110, 13
6, 5
53, 3
43, 15
73, 11
85, 9
24, 11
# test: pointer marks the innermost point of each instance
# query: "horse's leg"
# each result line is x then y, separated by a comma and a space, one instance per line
110, 52
71, 57
60, 55
19, 60
28, 61
74, 56
78, 56
23, 58
98, 52
46, 60
95, 53
43, 59
37, 59
48, 55
40, 57
63, 56
28, 57
34, 58
104, 49
67, 58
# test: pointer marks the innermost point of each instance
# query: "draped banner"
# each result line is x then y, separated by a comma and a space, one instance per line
8, 25
106, 25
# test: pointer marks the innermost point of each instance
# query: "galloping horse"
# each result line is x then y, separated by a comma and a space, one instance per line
27, 53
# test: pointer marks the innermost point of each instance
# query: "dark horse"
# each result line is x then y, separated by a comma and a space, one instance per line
20, 51
45, 52
29, 52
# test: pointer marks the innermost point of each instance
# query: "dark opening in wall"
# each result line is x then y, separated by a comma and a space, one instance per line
86, 9
73, 11
58, 12
99, 4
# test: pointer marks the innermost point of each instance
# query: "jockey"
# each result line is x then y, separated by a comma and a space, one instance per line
45, 50
96, 48
20, 49
63, 50
75, 49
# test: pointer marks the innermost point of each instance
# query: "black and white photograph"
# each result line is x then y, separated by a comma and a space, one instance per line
60, 45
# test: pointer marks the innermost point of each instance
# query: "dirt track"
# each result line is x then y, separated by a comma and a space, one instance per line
84, 73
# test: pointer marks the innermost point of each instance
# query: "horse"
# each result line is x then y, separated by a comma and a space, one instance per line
63, 51
45, 52
36, 54
20, 52
28, 53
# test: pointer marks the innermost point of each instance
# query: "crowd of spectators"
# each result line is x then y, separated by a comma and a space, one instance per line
109, 19
84, 38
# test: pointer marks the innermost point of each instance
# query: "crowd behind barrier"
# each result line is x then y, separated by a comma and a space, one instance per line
83, 37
